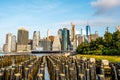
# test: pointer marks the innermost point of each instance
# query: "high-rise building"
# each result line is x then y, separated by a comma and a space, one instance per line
22, 40
56, 44
36, 40
13, 44
68, 40
23, 35
72, 32
8, 42
10, 45
60, 35
65, 39
88, 32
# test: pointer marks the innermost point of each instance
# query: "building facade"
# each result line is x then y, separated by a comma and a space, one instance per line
72, 32
65, 39
60, 35
56, 44
22, 40
36, 40
88, 32
23, 35
8, 41
13, 44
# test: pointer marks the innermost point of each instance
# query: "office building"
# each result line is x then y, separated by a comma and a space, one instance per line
36, 40
13, 44
68, 41
22, 40
56, 44
65, 39
88, 32
8, 42
23, 35
72, 32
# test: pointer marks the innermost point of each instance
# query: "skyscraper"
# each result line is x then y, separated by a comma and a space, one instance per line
56, 44
13, 44
22, 36
65, 39
72, 32
8, 42
36, 39
22, 40
68, 40
88, 32
60, 35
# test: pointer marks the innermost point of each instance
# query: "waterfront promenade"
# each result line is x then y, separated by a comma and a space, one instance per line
56, 67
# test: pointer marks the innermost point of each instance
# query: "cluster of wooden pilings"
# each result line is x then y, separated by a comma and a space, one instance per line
73, 68
22, 67
60, 67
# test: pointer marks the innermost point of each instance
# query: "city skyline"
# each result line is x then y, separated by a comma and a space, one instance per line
42, 15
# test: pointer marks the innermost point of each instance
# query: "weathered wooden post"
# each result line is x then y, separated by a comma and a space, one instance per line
1, 76
102, 71
92, 72
66, 72
18, 76
40, 77
71, 74
63, 68
62, 77
78, 70
118, 71
42, 71
81, 77
7, 75
12, 73
87, 74
101, 77
114, 73
26, 73
56, 73
82, 67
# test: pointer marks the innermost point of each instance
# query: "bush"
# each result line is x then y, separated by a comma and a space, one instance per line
111, 52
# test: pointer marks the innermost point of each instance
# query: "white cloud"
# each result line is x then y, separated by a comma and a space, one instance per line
105, 5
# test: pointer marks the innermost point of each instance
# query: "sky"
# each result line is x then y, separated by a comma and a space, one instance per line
41, 15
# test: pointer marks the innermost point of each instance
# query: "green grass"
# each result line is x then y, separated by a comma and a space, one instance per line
100, 57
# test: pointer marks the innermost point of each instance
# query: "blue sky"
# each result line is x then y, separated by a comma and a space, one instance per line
41, 15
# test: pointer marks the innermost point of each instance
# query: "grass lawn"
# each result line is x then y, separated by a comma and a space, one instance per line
100, 57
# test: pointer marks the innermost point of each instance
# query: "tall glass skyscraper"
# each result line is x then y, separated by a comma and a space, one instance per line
64, 39
88, 32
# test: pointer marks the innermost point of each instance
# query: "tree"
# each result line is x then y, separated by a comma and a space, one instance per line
108, 39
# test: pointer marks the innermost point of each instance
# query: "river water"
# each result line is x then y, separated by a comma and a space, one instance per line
46, 69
